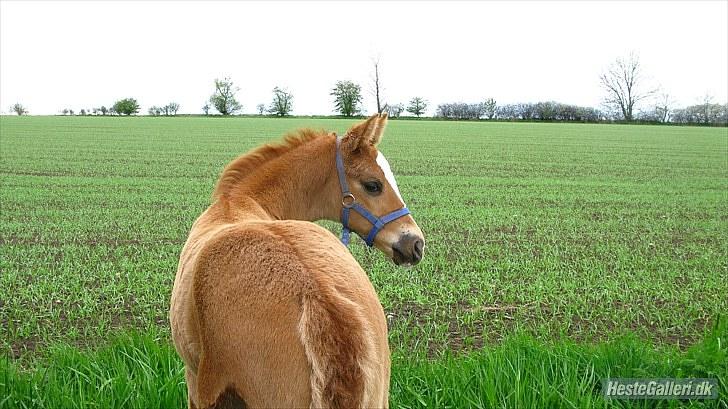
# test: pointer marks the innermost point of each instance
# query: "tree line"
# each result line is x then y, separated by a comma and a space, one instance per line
624, 84
704, 113
347, 101
544, 111
125, 106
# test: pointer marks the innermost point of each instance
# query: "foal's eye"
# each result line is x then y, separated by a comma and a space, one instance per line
373, 187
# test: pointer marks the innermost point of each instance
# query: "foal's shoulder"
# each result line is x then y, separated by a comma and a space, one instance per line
292, 233
306, 242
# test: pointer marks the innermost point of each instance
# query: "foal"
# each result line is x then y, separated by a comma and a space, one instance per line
270, 310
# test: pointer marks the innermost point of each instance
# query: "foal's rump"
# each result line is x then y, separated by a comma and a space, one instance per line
287, 318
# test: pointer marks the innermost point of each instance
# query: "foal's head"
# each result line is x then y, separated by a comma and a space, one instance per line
372, 184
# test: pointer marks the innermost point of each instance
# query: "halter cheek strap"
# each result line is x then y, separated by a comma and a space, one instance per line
349, 203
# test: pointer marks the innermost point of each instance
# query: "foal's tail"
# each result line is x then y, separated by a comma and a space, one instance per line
339, 347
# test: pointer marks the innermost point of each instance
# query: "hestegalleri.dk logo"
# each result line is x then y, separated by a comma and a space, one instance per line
660, 388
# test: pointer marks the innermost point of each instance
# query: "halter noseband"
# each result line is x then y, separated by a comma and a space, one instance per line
348, 203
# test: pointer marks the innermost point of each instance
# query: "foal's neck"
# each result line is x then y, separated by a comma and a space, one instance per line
297, 185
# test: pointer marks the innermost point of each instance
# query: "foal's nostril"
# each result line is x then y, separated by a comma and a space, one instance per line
408, 250
419, 246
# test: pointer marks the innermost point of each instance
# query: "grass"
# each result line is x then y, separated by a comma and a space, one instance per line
581, 233
141, 371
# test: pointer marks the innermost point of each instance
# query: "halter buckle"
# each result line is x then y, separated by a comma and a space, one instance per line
348, 201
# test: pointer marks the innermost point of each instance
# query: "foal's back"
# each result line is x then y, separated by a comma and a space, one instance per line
285, 298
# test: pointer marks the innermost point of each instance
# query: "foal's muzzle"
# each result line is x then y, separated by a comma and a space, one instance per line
408, 250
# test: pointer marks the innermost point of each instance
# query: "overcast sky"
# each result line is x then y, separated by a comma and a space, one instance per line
86, 54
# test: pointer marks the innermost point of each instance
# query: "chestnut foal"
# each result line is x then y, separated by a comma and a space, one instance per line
271, 310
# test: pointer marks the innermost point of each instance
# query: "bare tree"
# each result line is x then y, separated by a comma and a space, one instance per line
261, 109
172, 108
663, 107
394, 110
623, 83
206, 109
461, 110
706, 110
282, 103
377, 86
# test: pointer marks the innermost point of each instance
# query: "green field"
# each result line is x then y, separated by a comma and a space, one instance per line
582, 243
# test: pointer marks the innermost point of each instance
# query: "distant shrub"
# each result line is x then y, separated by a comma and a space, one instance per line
126, 106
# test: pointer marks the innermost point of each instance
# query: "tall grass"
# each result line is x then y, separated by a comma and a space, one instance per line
133, 371
141, 371
526, 373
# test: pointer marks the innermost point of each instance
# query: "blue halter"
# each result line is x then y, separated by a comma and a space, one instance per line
348, 203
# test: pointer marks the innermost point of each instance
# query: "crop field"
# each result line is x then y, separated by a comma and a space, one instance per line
556, 254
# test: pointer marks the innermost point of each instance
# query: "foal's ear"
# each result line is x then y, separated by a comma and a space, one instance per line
369, 132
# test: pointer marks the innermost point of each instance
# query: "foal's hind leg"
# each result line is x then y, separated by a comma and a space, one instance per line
191, 388
212, 392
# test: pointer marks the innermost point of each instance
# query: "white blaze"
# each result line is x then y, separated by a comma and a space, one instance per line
382, 162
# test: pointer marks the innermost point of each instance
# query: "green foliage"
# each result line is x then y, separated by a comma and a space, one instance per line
126, 106
417, 106
522, 372
18, 109
134, 371
347, 97
490, 108
282, 104
223, 99
143, 371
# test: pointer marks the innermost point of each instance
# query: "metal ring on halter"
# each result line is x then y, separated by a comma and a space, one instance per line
351, 203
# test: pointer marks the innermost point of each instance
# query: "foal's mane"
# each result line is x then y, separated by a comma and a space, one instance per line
245, 164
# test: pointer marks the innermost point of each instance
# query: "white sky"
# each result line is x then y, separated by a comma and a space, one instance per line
87, 54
